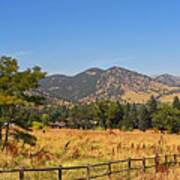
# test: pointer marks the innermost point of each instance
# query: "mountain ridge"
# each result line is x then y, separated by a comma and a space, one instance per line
114, 83
168, 79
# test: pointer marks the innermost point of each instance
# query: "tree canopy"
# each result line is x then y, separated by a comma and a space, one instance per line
15, 95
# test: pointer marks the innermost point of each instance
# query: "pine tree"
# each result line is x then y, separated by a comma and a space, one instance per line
134, 116
114, 115
176, 103
127, 120
144, 119
14, 85
167, 118
152, 108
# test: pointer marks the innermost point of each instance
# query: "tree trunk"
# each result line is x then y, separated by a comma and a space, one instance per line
6, 136
1, 133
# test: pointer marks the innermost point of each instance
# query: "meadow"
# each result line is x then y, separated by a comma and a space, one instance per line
69, 147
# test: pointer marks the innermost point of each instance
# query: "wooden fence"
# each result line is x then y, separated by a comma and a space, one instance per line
167, 161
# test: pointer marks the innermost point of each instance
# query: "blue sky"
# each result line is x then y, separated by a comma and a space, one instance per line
69, 36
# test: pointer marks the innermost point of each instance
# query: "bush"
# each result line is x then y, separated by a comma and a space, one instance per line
169, 129
156, 130
99, 128
37, 125
130, 129
124, 129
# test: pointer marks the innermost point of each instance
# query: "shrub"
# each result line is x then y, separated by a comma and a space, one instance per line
37, 125
156, 130
124, 129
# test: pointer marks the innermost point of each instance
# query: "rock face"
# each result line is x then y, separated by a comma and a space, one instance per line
115, 84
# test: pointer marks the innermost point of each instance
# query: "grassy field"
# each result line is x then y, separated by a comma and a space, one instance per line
80, 147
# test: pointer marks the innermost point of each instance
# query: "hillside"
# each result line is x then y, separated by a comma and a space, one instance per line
72, 88
115, 84
168, 79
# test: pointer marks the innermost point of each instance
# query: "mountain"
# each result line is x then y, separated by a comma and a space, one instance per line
114, 83
72, 88
168, 79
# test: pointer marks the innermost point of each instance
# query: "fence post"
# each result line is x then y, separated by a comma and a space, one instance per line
144, 164
109, 170
60, 172
129, 168
21, 174
175, 159
157, 161
88, 172
166, 160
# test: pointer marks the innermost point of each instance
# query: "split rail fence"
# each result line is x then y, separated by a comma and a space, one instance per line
166, 160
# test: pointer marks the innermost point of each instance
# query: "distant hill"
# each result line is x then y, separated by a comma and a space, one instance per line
168, 79
72, 88
114, 83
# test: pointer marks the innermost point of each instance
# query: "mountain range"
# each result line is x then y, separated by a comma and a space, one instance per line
114, 83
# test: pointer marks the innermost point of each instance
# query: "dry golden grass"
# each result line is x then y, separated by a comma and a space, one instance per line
169, 98
173, 174
81, 147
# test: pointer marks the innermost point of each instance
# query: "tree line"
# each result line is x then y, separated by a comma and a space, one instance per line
105, 114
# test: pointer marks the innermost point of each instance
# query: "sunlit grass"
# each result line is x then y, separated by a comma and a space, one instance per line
81, 147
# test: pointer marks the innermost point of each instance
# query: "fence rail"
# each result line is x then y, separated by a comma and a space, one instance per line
109, 172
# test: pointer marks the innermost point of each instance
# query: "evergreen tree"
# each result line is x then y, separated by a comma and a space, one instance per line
45, 118
14, 87
100, 115
176, 103
144, 120
81, 116
127, 120
152, 108
167, 118
134, 116
114, 115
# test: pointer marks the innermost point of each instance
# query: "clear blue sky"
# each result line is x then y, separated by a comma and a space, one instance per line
69, 36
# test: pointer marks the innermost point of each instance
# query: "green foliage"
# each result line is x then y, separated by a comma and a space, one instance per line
127, 119
101, 109
14, 96
56, 113
130, 129
156, 130
45, 119
167, 118
144, 119
176, 103
134, 116
152, 105
152, 108
26, 137
37, 125
114, 115
81, 116
124, 128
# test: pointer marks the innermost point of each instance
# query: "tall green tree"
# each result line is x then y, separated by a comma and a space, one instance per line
100, 115
114, 115
152, 108
127, 120
144, 120
15, 89
133, 114
176, 103
81, 116
45, 118
167, 118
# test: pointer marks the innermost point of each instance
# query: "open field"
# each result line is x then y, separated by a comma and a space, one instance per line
79, 147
